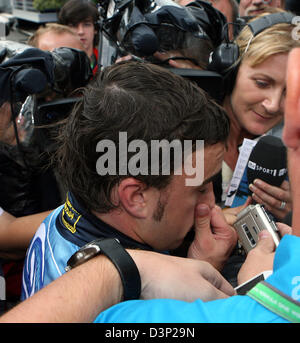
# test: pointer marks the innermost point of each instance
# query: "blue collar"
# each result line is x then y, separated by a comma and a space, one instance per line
79, 226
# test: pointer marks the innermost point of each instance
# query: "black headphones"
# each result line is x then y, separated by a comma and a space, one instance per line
225, 58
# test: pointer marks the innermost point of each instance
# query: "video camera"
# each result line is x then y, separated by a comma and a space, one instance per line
136, 27
142, 27
27, 81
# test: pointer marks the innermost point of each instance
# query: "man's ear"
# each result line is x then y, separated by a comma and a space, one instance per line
133, 197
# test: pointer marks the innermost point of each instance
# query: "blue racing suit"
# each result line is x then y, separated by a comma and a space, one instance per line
60, 235
236, 309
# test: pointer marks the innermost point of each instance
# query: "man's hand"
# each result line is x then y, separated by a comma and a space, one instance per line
231, 213
261, 257
175, 63
214, 237
165, 276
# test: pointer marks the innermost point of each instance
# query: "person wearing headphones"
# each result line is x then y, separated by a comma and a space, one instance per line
255, 82
255, 90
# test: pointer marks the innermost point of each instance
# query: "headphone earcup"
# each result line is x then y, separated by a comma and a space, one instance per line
223, 60
223, 57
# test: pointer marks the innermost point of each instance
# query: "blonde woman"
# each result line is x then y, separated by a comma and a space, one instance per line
255, 102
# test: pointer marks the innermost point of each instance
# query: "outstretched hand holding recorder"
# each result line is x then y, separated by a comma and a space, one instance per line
250, 222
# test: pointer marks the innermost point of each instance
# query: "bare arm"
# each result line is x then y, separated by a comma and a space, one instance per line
77, 296
16, 233
81, 294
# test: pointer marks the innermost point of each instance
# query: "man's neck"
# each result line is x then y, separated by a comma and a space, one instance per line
120, 221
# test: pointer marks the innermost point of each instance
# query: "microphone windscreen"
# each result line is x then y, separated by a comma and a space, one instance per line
144, 40
268, 161
30, 81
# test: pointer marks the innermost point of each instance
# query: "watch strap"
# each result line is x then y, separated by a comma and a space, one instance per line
125, 265
121, 259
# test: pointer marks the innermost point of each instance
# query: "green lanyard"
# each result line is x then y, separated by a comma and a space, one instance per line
276, 301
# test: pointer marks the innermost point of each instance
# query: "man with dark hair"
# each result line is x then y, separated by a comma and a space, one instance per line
82, 17
127, 154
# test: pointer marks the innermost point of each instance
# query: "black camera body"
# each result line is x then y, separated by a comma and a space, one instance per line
209, 81
142, 27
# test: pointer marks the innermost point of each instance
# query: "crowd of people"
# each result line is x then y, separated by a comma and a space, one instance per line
106, 197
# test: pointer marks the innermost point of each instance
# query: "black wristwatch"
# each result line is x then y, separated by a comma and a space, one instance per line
125, 265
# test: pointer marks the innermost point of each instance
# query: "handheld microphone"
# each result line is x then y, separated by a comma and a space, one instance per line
268, 161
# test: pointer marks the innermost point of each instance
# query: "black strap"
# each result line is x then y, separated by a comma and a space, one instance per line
125, 265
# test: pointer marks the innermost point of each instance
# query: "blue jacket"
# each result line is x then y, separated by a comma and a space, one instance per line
61, 234
46, 256
236, 309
